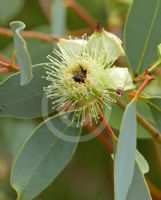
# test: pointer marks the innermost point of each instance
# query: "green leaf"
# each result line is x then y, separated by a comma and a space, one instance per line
24, 101
155, 106
22, 55
142, 34
39, 49
58, 12
143, 108
138, 189
20, 129
44, 156
9, 8
125, 153
154, 103
143, 165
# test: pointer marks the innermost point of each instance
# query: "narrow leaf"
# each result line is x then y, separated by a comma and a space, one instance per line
44, 156
8, 12
138, 189
58, 12
24, 101
125, 153
142, 33
22, 55
142, 163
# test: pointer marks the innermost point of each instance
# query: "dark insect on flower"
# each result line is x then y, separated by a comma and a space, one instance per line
120, 91
81, 76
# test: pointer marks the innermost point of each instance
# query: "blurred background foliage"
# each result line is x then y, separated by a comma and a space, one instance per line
90, 174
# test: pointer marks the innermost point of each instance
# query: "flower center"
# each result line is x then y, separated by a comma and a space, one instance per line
80, 75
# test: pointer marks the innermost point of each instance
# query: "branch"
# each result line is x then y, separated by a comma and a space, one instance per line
4, 71
155, 191
9, 66
101, 137
46, 7
81, 12
31, 34
147, 80
109, 129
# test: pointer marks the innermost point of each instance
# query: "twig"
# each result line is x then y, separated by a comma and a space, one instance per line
155, 191
9, 66
46, 5
101, 137
152, 130
81, 32
147, 80
4, 71
81, 12
31, 34
157, 148
109, 129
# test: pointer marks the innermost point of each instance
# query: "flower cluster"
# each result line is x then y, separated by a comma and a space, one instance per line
82, 77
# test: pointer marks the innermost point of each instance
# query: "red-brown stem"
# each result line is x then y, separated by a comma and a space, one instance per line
104, 140
155, 191
42, 36
81, 12
9, 66
101, 137
109, 129
143, 85
3, 64
4, 71
31, 34
46, 6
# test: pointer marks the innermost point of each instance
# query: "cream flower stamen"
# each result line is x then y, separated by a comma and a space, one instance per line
81, 78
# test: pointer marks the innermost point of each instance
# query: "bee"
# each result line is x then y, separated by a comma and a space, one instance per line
80, 77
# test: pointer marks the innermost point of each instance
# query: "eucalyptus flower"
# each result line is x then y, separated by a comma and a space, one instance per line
82, 77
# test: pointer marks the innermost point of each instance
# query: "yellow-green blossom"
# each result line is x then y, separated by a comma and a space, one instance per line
82, 76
